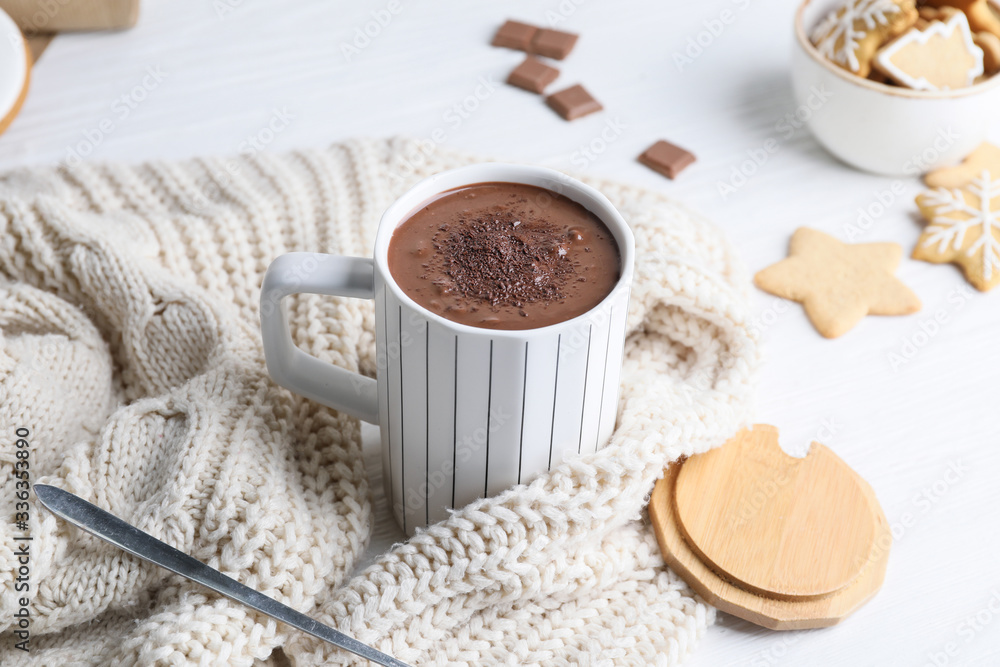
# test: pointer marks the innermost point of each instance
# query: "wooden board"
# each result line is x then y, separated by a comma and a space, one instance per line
36, 16
782, 542
38, 43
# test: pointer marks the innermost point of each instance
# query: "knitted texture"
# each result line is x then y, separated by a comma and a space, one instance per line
130, 349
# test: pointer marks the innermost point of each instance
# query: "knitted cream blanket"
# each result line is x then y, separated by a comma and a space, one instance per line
131, 353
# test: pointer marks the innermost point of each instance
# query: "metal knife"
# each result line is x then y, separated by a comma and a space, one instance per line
110, 528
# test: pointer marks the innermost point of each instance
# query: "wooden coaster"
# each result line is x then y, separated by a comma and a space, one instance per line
782, 542
15, 71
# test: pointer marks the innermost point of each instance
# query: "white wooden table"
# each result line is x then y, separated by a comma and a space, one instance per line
926, 433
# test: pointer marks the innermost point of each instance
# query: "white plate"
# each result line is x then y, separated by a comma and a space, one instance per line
13, 64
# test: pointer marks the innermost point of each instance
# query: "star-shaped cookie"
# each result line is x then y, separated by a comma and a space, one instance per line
987, 157
839, 283
964, 229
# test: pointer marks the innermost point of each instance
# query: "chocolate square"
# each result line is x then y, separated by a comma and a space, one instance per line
553, 43
573, 102
532, 75
515, 35
667, 159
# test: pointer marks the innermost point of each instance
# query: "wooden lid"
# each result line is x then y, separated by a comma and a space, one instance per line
775, 524
783, 542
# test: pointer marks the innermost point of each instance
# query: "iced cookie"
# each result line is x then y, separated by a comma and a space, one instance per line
990, 44
839, 283
964, 229
941, 57
931, 14
942, 13
981, 17
850, 36
986, 157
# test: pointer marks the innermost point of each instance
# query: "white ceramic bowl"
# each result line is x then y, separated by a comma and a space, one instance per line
879, 128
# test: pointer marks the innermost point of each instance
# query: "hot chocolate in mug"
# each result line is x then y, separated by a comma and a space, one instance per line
464, 412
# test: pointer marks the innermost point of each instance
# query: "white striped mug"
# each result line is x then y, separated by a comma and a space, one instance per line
464, 412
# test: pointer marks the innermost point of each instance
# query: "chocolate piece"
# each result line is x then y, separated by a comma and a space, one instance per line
532, 75
573, 102
515, 35
553, 43
665, 158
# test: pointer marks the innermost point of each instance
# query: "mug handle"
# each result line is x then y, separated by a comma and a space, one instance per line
292, 368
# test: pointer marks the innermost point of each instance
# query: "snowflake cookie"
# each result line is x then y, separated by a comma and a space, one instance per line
964, 229
943, 56
850, 36
839, 283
